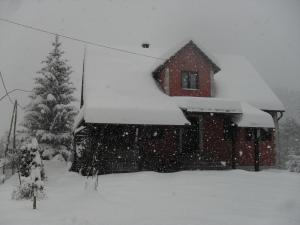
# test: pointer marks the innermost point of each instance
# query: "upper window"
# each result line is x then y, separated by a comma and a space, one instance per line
189, 80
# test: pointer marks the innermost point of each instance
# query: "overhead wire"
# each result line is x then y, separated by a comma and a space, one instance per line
7, 93
70, 38
11, 91
79, 40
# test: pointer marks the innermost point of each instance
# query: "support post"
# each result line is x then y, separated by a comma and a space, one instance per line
276, 119
180, 139
256, 148
136, 150
233, 147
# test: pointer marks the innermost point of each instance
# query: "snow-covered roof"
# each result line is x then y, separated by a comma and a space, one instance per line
253, 117
243, 114
207, 104
119, 89
238, 80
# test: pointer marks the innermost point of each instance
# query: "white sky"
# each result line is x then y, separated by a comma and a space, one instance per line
267, 32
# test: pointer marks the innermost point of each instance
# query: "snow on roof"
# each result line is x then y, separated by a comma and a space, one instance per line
253, 117
244, 115
238, 80
207, 104
120, 89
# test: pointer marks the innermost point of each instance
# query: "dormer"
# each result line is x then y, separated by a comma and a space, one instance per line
189, 72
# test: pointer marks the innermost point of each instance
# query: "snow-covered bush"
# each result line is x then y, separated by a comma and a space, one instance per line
48, 152
58, 158
25, 161
32, 173
25, 190
293, 164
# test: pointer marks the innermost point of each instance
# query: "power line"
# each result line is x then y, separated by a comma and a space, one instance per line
79, 40
7, 93
11, 91
3, 83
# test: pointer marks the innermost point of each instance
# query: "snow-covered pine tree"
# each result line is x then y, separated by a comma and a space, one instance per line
50, 114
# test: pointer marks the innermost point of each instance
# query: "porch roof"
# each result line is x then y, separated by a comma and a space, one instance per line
244, 114
253, 117
207, 104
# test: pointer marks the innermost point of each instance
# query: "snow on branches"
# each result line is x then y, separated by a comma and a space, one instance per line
32, 173
50, 114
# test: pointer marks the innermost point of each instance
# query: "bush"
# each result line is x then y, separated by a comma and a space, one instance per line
293, 164
25, 190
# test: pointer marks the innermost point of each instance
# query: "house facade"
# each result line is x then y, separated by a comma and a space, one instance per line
198, 118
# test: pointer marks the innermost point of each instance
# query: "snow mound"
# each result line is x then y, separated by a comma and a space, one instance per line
58, 158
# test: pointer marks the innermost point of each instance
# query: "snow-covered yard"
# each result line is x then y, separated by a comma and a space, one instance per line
148, 198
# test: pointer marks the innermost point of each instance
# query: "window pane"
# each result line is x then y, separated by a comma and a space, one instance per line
194, 81
185, 80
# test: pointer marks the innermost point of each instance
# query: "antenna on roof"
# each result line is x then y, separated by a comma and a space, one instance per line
82, 81
145, 45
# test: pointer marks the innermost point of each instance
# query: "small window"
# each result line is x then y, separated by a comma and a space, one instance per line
249, 134
189, 80
266, 134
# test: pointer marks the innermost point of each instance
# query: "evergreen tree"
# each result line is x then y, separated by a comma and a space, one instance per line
50, 115
289, 139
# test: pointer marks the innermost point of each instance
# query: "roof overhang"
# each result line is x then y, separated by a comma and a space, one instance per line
253, 117
208, 104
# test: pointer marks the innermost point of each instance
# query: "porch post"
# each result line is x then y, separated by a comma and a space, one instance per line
179, 149
276, 119
256, 148
233, 147
74, 166
180, 139
136, 150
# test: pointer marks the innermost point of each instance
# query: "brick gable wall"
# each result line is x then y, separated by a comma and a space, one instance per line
187, 59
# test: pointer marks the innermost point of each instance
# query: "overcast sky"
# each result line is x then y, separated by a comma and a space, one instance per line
267, 32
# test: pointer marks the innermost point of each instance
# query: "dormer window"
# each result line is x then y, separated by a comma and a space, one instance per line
189, 80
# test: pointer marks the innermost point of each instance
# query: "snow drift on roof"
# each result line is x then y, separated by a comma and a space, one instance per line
253, 117
206, 104
239, 80
119, 88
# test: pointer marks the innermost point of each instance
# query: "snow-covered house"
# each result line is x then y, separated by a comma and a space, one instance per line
181, 110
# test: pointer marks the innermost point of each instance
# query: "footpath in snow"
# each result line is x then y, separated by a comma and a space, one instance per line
147, 198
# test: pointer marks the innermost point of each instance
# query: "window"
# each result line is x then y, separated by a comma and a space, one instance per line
189, 80
266, 134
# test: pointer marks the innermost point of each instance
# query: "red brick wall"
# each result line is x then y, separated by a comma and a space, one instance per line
164, 146
161, 151
245, 150
188, 59
215, 146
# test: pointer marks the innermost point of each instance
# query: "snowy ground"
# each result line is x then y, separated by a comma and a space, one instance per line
148, 198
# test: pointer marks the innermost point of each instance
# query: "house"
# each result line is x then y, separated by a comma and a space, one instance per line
185, 111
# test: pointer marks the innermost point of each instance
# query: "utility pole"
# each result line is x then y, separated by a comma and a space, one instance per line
8, 138
12, 128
